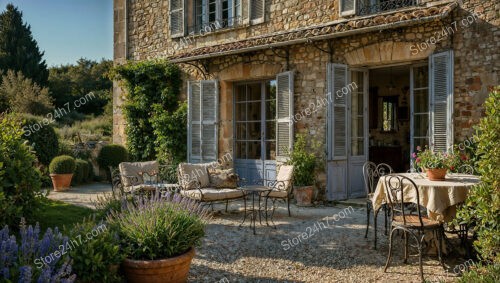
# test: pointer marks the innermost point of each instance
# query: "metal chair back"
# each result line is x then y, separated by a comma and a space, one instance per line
396, 186
370, 176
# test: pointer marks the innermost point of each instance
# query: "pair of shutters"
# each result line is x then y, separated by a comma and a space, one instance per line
203, 109
177, 17
440, 100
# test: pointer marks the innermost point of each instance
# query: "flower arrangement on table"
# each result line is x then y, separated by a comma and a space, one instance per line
436, 164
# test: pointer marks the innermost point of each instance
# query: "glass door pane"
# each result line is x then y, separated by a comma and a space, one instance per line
420, 107
357, 114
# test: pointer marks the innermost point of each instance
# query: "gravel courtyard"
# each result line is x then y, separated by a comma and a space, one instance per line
334, 251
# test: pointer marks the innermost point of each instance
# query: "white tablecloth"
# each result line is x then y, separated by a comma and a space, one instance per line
439, 197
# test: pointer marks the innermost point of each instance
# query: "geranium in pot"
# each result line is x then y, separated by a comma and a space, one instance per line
61, 170
304, 163
435, 164
158, 236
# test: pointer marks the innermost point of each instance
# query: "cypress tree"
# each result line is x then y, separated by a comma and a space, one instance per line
18, 50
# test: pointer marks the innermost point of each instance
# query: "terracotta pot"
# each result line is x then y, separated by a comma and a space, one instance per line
61, 182
436, 174
173, 270
303, 195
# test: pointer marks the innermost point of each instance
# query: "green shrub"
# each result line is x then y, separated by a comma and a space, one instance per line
158, 228
98, 258
63, 164
304, 163
485, 274
19, 180
90, 175
81, 172
41, 136
112, 155
481, 211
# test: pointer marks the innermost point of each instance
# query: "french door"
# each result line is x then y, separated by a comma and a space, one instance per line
347, 131
255, 130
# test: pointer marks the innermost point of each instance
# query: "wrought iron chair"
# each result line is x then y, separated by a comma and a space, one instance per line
408, 220
371, 175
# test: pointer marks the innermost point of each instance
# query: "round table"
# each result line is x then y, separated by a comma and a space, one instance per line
256, 192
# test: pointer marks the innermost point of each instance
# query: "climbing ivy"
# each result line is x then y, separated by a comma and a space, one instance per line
156, 120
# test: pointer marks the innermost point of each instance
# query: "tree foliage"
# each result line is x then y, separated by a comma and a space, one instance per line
19, 180
70, 82
482, 208
18, 49
21, 95
151, 109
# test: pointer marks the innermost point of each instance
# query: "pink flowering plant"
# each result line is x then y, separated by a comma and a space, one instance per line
430, 159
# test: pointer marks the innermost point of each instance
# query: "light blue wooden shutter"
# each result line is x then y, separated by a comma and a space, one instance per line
203, 97
338, 81
284, 114
256, 10
176, 13
441, 100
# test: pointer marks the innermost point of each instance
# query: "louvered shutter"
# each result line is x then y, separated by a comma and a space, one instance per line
347, 7
441, 102
176, 18
284, 114
338, 80
202, 121
257, 10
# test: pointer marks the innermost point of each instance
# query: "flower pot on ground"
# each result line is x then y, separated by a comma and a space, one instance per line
175, 269
61, 171
305, 163
303, 195
158, 236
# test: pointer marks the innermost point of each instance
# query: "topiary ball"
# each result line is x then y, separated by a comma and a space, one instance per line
112, 155
81, 172
63, 164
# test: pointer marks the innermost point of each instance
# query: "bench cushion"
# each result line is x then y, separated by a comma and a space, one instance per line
193, 172
212, 194
223, 179
133, 169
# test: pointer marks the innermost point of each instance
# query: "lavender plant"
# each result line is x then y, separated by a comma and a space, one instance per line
159, 227
33, 260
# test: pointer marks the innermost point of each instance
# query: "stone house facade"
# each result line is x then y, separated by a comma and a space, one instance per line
366, 79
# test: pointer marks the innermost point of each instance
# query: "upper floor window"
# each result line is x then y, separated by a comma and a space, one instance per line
205, 16
210, 15
367, 7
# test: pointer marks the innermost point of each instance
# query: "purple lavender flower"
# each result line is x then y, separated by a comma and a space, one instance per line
25, 274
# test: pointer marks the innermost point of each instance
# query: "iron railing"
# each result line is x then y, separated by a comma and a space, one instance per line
369, 7
199, 28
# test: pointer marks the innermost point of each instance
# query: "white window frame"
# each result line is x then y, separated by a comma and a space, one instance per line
235, 11
257, 20
348, 12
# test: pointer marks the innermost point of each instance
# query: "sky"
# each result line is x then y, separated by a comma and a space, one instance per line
69, 29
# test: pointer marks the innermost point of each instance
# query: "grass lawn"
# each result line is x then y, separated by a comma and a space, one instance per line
54, 213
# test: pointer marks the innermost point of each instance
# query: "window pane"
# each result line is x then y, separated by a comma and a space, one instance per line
254, 150
270, 150
241, 93
212, 8
241, 131
421, 77
421, 100
270, 130
241, 112
253, 131
254, 111
240, 150
422, 142
421, 125
254, 91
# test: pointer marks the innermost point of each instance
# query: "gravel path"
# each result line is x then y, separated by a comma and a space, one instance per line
336, 251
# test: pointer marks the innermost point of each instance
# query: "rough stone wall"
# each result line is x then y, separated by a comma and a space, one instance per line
119, 57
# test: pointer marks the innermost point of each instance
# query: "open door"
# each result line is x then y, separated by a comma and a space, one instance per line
357, 129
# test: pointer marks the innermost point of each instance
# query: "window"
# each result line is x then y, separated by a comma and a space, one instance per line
389, 104
367, 7
210, 15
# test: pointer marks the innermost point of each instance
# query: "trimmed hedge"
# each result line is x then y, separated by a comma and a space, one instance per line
41, 136
63, 164
112, 155
81, 172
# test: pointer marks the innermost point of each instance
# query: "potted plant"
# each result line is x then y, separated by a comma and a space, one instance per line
158, 237
304, 163
435, 164
61, 171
